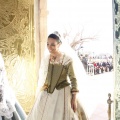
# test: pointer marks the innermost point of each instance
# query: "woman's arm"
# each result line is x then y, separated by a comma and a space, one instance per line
74, 88
72, 77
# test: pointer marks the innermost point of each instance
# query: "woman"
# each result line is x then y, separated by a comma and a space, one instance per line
57, 98
10, 108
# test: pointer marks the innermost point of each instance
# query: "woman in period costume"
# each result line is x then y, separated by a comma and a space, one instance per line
10, 108
57, 88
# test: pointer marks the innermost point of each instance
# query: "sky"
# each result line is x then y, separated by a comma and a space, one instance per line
90, 17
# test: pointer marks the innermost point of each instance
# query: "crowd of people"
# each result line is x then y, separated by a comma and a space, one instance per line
97, 64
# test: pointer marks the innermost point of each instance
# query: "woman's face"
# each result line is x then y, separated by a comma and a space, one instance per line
53, 45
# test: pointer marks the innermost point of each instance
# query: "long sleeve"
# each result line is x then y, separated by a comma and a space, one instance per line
72, 77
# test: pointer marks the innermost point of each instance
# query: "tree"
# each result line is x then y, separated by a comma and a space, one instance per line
77, 40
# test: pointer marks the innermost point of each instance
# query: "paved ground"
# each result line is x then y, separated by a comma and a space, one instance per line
94, 95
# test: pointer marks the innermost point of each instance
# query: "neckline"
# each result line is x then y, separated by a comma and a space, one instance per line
60, 60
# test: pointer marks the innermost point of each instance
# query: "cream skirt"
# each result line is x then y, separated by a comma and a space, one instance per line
55, 106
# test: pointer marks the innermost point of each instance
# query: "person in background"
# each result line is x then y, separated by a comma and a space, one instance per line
84, 61
10, 109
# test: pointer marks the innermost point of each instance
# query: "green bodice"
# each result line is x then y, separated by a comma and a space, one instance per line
57, 77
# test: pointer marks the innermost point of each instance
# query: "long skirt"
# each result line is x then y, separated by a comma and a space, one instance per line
56, 106
18, 114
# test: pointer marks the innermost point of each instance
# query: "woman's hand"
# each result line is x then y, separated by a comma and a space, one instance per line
74, 102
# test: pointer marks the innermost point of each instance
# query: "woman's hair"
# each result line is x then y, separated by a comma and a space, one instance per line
55, 36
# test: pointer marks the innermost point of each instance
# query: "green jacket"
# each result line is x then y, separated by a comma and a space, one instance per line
57, 77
